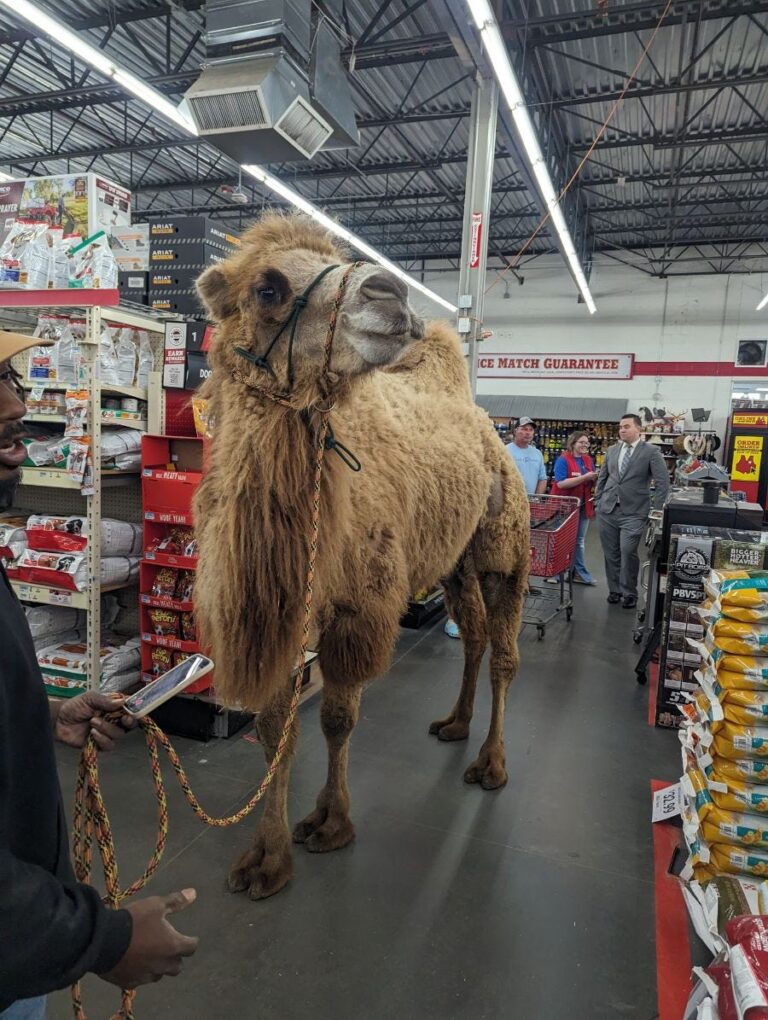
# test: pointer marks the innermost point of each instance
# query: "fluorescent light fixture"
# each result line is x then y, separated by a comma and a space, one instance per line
762, 304
335, 228
7, 177
97, 59
494, 46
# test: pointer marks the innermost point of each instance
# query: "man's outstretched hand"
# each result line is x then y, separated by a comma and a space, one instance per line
78, 718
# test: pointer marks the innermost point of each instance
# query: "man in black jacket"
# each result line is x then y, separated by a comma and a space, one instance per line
53, 929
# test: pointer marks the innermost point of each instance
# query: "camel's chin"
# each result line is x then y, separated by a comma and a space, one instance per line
381, 353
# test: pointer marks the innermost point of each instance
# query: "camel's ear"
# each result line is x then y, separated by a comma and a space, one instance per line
213, 288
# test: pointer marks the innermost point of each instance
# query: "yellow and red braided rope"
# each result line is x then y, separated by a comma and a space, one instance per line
90, 815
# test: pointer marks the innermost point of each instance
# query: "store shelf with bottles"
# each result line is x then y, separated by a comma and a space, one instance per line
551, 437
51, 488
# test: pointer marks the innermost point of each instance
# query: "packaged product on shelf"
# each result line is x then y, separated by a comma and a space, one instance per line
750, 770
69, 570
107, 358
735, 742
69, 355
47, 532
117, 442
76, 413
739, 588
739, 638
165, 623
124, 462
165, 583
176, 541
13, 537
58, 266
50, 621
126, 351
185, 585
42, 401
24, 256
44, 450
188, 630
162, 660
77, 458
64, 664
92, 263
146, 360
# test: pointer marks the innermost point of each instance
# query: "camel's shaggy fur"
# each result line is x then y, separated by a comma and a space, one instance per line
438, 497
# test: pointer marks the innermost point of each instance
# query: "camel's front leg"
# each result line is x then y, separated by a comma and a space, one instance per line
267, 866
329, 827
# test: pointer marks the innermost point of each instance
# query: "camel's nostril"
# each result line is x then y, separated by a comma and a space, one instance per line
384, 287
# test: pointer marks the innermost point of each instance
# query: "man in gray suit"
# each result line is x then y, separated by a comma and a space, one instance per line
622, 500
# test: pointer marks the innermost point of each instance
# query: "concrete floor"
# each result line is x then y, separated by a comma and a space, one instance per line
535, 902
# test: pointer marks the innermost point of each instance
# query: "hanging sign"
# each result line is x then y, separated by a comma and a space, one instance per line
555, 366
474, 240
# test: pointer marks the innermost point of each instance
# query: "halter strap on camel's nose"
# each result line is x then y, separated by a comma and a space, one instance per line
300, 302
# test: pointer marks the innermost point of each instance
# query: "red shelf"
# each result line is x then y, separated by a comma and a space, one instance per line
69, 298
162, 559
160, 641
161, 602
168, 517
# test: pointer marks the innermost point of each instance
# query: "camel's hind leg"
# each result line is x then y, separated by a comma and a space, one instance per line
465, 604
504, 595
329, 826
267, 866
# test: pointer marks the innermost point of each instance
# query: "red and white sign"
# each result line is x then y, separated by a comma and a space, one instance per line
475, 237
555, 366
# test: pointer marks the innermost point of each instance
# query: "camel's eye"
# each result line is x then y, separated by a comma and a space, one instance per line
267, 294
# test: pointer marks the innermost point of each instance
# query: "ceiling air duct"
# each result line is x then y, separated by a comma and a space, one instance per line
266, 95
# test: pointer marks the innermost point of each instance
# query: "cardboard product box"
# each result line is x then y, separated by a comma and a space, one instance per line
174, 277
130, 246
693, 552
191, 257
80, 203
186, 228
189, 335
133, 287
184, 303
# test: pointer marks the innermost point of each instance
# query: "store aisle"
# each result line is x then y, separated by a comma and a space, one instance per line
532, 903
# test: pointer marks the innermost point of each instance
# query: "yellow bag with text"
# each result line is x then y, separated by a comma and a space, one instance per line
735, 795
738, 638
733, 741
747, 589
746, 770
735, 860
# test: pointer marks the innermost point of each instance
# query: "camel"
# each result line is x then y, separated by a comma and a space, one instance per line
438, 497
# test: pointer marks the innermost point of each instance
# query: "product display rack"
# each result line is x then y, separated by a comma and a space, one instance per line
47, 490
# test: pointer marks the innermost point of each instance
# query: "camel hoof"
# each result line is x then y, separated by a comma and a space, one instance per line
331, 837
261, 873
453, 731
308, 825
488, 771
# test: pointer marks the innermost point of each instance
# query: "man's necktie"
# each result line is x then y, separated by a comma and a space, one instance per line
626, 456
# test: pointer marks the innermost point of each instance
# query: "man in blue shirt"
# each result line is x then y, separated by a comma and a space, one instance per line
529, 460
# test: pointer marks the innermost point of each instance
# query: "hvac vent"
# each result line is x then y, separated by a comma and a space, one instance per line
304, 127
228, 110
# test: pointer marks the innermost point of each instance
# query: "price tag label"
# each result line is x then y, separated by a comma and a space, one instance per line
667, 803
61, 598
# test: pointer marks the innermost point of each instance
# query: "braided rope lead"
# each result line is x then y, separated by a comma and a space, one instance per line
90, 816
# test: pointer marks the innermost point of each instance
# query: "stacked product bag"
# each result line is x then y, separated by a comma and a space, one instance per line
725, 739
51, 624
735, 985
64, 665
56, 550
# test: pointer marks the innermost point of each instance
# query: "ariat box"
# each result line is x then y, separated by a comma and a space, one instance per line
180, 302
133, 287
196, 228
190, 257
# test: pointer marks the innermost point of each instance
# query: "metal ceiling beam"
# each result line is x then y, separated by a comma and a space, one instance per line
114, 16
620, 20
90, 95
659, 89
752, 133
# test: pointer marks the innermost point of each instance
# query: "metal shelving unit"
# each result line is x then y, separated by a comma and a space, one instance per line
48, 490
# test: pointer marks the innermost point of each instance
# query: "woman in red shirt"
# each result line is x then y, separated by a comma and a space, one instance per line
575, 475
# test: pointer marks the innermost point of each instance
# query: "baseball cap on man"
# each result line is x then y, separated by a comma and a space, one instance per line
12, 344
525, 421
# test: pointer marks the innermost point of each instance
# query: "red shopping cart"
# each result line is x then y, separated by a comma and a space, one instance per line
554, 529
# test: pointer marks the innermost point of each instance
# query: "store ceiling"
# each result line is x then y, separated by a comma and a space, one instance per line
678, 183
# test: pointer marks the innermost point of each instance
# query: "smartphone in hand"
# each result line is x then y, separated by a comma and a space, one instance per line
167, 686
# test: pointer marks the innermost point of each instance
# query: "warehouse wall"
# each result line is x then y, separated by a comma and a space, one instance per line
662, 322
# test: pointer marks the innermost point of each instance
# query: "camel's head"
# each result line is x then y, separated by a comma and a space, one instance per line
253, 295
